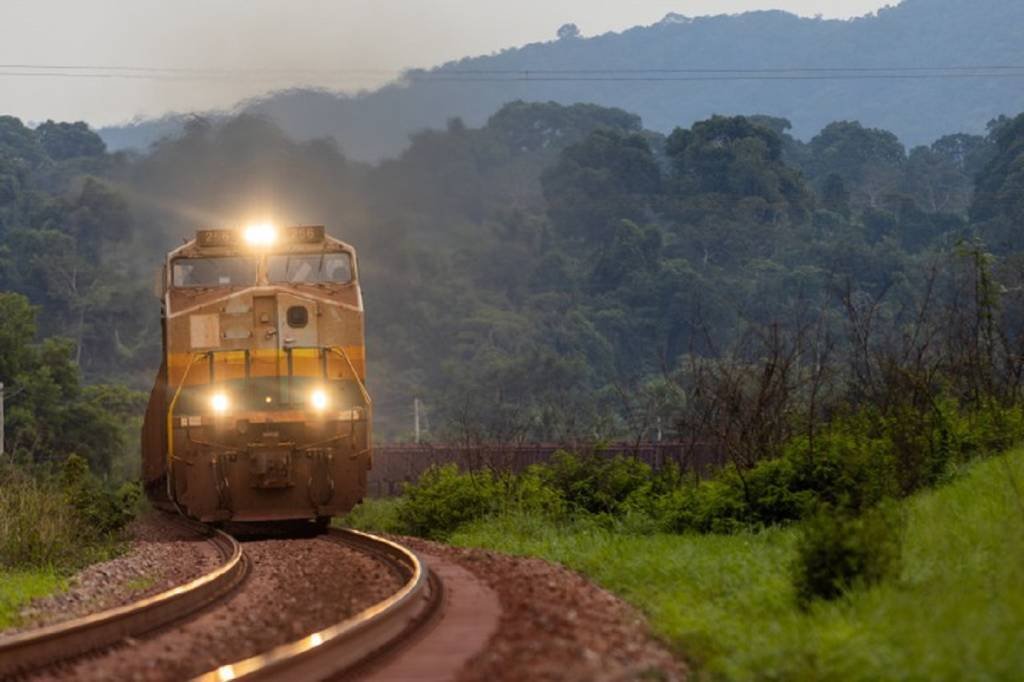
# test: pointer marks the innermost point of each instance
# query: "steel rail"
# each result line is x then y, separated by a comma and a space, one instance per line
38, 648
357, 640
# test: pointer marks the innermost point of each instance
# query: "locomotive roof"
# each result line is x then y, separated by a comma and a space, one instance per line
290, 239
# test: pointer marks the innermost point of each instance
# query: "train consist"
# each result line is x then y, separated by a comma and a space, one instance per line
260, 410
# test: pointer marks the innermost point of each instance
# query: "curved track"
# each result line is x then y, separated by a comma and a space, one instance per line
41, 647
358, 640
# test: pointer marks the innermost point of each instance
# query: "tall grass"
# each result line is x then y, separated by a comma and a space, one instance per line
61, 517
37, 526
51, 524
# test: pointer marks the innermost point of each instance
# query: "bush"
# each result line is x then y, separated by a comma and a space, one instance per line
596, 484
851, 465
444, 498
837, 551
529, 492
102, 510
60, 521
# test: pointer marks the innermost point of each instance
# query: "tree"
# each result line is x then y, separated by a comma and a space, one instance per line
998, 206
739, 159
597, 183
870, 161
568, 32
69, 140
17, 330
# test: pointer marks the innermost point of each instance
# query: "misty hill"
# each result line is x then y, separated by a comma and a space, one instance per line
915, 34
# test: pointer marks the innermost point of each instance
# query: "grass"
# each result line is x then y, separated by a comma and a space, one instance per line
17, 588
379, 515
50, 526
141, 583
726, 602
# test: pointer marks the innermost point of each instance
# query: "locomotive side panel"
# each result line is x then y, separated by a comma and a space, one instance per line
154, 437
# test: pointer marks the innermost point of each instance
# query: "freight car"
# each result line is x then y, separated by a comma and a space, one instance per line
259, 411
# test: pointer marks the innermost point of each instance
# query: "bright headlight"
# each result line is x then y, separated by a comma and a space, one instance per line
219, 402
318, 399
260, 234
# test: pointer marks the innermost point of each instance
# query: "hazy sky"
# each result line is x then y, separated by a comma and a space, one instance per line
289, 36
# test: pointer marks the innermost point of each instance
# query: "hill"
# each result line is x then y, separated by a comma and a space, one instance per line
914, 34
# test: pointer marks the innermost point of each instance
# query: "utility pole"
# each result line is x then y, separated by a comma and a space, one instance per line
415, 412
1, 418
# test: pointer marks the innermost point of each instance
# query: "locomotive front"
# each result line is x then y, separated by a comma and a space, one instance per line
260, 410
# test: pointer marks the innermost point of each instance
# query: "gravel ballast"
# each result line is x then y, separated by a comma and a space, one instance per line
557, 625
295, 587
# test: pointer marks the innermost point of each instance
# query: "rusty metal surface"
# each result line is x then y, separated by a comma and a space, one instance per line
333, 651
394, 465
38, 648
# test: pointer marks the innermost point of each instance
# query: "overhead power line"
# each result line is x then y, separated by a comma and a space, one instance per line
611, 74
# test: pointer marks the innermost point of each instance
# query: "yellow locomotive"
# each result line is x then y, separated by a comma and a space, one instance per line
260, 409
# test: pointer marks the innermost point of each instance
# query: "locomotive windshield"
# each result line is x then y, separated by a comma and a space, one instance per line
310, 268
215, 272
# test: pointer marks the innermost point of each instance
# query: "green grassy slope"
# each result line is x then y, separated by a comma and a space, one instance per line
726, 602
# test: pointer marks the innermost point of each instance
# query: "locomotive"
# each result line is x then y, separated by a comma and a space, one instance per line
259, 411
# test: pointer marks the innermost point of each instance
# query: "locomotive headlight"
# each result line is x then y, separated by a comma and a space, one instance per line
260, 234
318, 399
219, 402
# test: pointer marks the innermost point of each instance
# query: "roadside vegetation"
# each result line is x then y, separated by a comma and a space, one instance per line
927, 587
61, 507
733, 604
53, 521
851, 464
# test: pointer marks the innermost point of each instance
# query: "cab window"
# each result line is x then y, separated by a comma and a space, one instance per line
310, 268
227, 271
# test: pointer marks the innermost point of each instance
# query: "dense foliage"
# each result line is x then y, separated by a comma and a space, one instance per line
560, 273
60, 518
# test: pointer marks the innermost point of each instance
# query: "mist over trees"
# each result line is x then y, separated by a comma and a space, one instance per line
913, 35
545, 276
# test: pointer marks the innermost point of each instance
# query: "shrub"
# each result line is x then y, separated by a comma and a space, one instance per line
529, 492
771, 493
444, 498
851, 465
837, 551
596, 484
60, 521
102, 510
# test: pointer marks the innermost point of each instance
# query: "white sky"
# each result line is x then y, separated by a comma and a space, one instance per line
233, 35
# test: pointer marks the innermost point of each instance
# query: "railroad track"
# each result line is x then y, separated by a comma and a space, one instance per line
351, 646
41, 647
355, 642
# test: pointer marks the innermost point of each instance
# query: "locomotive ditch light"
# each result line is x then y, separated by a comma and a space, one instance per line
220, 403
260, 235
318, 399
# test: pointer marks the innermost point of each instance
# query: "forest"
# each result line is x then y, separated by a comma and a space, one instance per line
560, 273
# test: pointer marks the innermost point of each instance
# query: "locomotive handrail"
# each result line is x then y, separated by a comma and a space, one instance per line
170, 426
362, 387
